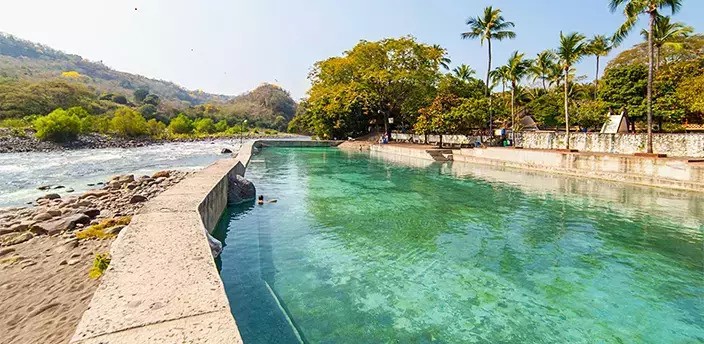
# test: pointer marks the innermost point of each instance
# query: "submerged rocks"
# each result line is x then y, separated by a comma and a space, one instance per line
225, 151
50, 196
240, 190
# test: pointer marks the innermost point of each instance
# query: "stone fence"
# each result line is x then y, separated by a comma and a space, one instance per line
675, 145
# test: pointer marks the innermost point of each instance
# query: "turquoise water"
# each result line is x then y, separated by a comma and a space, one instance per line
368, 250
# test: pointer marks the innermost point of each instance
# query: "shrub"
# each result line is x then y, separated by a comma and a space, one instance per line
155, 128
204, 126
95, 124
97, 231
221, 126
181, 125
128, 123
120, 99
59, 126
100, 264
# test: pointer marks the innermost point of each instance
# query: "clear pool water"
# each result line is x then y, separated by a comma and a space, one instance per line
371, 250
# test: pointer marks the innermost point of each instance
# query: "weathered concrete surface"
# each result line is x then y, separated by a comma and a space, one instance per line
414, 151
674, 145
668, 173
162, 285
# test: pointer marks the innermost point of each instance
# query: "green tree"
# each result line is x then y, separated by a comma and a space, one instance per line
517, 69
491, 25
667, 33
221, 126
148, 110
152, 99
542, 67
624, 88
370, 83
591, 114
571, 50
632, 11
204, 126
546, 109
463, 72
181, 125
128, 123
140, 94
599, 46
120, 99
156, 129
58, 126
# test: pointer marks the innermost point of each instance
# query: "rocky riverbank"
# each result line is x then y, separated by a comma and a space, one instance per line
46, 251
12, 143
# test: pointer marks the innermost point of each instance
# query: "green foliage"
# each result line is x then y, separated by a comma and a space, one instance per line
128, 123
96, 124
591, 114
181, 125
140, 94
625, 88
58, 126
547, 109
463, 88
148, 110
100, 264
204, 126
691, 94
156, 128
120, 99
20, 98
152, 99
221, 126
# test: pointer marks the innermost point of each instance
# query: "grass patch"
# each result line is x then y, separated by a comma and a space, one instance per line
100, 264
97, 231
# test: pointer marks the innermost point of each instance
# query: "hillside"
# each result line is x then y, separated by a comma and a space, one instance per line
31, 61
36, 79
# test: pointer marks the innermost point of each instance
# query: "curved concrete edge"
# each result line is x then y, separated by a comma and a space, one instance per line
162, 285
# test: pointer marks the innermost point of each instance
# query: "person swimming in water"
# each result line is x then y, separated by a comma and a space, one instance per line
260, 200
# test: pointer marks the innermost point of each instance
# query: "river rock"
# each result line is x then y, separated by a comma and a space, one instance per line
43, 216
226, 151
240, 190
94, 193
115, 230
54, 212
92, 213
58, 187
137, 199
159, 174
44, 187
49, 197
60, 225
20, 238
6, 251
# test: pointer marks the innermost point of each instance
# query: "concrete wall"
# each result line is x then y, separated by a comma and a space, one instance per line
433, 139
676, 145
162, 285
668, 173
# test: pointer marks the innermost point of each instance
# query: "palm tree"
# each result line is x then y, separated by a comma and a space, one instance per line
599, 46
542, 67
489, 26
632, 9
517, 69
463, 72
500, 75
666, 33
444, 61
572, 49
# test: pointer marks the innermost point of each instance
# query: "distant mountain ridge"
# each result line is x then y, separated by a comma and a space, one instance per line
23, 59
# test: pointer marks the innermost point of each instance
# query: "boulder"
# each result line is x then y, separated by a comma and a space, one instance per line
215, 245
44, 187
115, 230
95, 193
58, 187
49, 197
43, 216
19, 239
240, 190
60, 225
159, 174
137, 199
54, 212
92, 213
226, 151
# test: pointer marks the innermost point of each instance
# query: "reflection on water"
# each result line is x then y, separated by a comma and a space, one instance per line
22, 173
373, 250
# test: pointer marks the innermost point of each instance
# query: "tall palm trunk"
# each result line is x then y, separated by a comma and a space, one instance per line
657, 58
513, 112
650, 80
596, 80
545, 86
567, 114
488, 92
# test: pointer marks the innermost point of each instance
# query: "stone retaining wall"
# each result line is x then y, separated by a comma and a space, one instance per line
675, 145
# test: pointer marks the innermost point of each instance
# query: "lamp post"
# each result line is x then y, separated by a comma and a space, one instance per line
244, 126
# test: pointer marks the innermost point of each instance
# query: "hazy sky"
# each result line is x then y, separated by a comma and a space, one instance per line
231, 46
